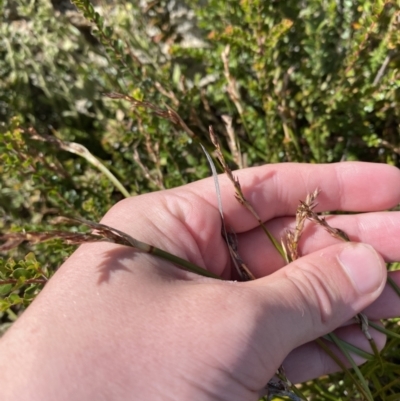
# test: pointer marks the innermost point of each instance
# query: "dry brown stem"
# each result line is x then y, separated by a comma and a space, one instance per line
335, 232
242, 269
232, 86
12, 240
229, 237
102, 233
238, 190
302, 213
306, 211
233, 143
26, 282
168, 113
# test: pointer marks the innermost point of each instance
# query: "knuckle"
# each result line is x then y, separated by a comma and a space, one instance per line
313, 289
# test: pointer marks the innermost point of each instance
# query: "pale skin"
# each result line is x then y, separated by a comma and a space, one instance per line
113, 324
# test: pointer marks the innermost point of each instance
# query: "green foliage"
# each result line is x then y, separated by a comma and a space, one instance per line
305, 81
312, 79
20, 281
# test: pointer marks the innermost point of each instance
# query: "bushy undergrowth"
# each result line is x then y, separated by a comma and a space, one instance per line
279, 81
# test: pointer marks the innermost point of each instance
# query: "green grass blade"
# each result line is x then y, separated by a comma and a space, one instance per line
362, 385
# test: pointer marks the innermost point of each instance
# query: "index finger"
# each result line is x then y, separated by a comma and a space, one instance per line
275, 190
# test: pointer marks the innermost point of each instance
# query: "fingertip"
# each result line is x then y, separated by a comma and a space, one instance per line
364, 266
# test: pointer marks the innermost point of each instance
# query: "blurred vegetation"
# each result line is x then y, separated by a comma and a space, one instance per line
302, 81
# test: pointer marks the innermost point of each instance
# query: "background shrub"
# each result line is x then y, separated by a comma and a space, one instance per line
303, 81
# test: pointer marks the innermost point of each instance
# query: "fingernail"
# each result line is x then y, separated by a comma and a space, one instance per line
364, 267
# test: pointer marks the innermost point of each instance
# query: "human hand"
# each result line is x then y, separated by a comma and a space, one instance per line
115, 324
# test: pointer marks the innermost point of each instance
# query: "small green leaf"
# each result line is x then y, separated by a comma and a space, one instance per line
15, 299
5, 289
31, 291
118, 45
20, 273
108, 32
30, 257
10, 264
98, 19
4, 305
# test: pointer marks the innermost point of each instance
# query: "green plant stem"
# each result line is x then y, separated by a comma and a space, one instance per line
363, 387
80, 150
384, 330
119, 237
352, 348
26, 282
394, 285
182, 263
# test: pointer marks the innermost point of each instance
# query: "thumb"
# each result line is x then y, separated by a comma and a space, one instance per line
315, 294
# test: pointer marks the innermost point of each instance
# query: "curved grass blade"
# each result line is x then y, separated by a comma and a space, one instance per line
386, 387
243, 271
363, 322
343, 367
384, 330
352, 348
394, 285
362, 384
80, 150
239, 193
